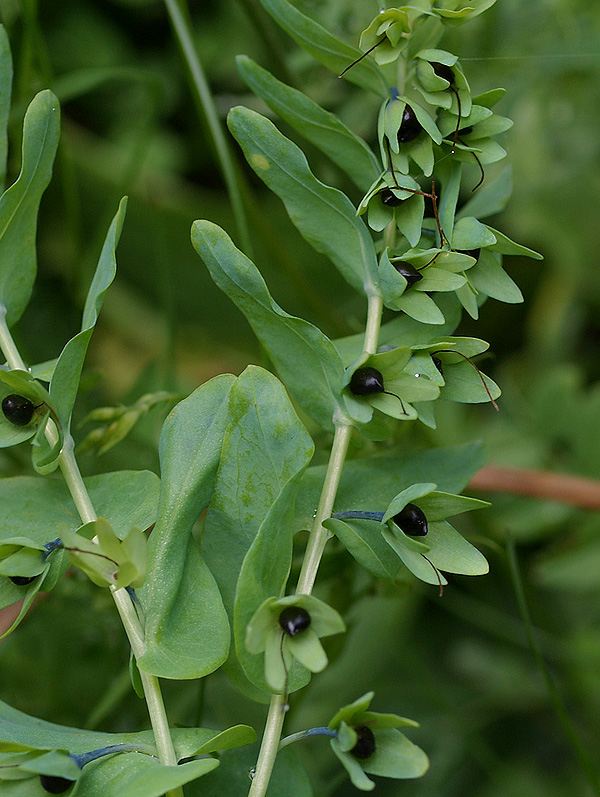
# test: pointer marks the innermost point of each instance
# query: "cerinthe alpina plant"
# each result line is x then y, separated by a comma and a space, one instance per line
237, 595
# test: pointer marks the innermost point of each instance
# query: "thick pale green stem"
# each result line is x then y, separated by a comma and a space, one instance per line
319, 534
314, 551
72, 476
269, 747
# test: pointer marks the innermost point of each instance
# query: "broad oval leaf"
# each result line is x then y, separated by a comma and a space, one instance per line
186, 629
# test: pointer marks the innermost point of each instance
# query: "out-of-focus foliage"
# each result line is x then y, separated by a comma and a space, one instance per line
459, 664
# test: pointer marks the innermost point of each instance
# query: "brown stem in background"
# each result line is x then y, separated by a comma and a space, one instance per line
574, 490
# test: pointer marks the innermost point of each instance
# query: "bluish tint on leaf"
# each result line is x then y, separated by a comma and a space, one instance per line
186, 629
264, 450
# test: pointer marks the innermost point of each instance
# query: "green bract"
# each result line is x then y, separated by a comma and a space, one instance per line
439, 91
394, 757
109, 562
401, 388
265, 635
385, 36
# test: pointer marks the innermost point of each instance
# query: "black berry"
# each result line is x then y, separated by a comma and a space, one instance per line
410, 127
471, 252
408, 271
17, 409
22, 581
443, 71
438, 364
294, 620
55, 784
365, 746
388, 198
366, 380
412, 521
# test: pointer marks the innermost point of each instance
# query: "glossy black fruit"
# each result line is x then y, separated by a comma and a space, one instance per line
408, 271
443, 71
365, 746
294, 620
22, 581
17, 409
388, 198
55, 784
365, 381
471, 252
412, 521
410, 127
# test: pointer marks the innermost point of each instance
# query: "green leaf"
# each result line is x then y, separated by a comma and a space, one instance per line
463, 384
325, 48
491, 198
489, 278
296, 347
420, 307
362, 539
322, 128
324, 216
186, 630
19, 204
138, 775
288, 779
19, 731
6, 75
264, 449
65, 380
35, 508
451, 553
264, 573
371, 484
396, 756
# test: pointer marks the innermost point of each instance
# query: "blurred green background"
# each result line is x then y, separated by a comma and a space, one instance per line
461, 665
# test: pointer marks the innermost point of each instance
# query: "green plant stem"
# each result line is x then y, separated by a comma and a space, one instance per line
579, 750
269, 746
72, 476
178, 14
319, 534
314, 551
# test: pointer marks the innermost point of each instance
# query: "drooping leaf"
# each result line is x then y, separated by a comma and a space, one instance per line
19, 204
295, 346
322, 128
186, 629
324, 215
